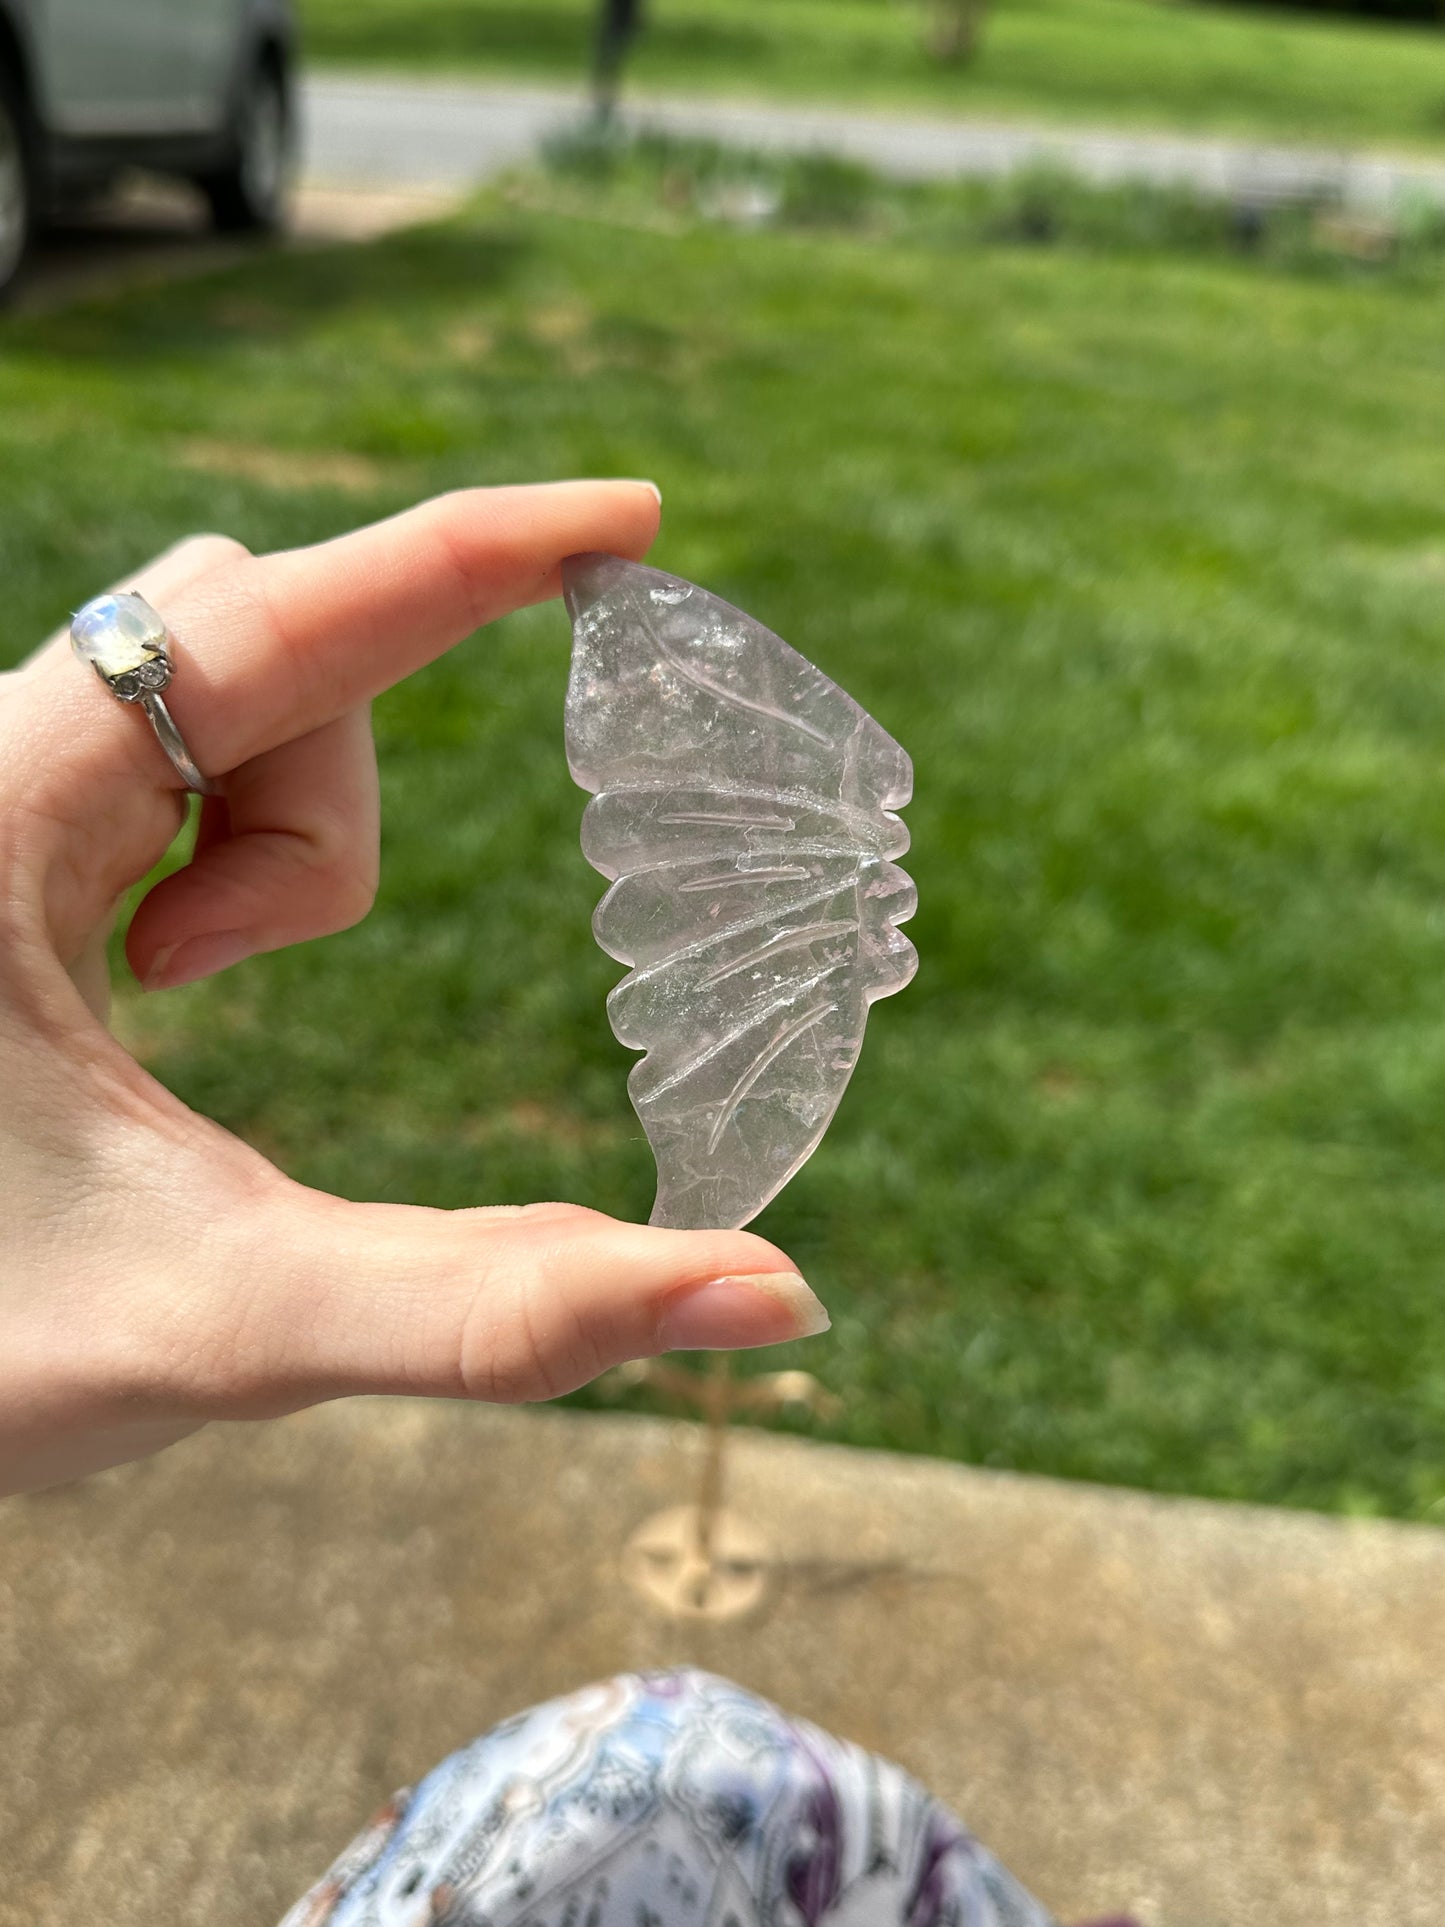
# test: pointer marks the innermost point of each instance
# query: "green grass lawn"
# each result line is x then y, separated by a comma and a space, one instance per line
1153, 62
1142, 557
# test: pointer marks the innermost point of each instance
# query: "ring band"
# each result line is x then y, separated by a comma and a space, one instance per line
130, 648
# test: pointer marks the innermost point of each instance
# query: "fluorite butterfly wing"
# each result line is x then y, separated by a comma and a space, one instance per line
744, 805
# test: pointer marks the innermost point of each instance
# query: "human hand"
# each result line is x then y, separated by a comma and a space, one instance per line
158, 1272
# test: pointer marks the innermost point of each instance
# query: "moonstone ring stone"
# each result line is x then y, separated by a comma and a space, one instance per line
130, 648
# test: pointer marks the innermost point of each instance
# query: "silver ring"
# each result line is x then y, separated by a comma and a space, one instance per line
130, 648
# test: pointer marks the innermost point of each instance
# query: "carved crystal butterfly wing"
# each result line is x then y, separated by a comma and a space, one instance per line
744, 805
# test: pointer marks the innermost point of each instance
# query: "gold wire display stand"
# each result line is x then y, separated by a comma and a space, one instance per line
705, 1561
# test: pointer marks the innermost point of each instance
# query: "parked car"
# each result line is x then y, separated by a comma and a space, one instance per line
199, 88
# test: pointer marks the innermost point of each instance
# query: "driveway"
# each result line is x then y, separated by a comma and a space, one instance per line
154, 230
386, 150
404, 131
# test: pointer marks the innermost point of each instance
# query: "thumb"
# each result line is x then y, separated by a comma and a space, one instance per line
503, 1304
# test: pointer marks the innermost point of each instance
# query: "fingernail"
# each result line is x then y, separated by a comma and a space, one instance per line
185, 963
642, 482
729, 1314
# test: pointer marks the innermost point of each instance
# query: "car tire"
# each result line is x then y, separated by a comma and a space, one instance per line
250, 191
18, 180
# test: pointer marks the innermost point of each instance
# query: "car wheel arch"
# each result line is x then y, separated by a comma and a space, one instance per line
17, 62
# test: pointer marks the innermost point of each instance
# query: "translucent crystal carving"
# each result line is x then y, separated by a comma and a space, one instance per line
744, 804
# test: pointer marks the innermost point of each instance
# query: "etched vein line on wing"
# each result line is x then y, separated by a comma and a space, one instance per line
701, 680
740, 927
729, 879
720, 816
774, 1008
784, 941
859, 828
760, 1063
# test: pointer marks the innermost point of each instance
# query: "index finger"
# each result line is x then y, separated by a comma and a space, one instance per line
272, 647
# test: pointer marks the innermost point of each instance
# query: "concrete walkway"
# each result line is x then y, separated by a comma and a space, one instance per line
214, 1665
450, 133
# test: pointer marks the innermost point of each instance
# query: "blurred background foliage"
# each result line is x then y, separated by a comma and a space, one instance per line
1128, 524
1170, 63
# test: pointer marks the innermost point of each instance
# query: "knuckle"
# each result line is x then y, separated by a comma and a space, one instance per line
208, 550
325, 884
577, 1217
348, 890
575, 1357
525, 1339
451, 527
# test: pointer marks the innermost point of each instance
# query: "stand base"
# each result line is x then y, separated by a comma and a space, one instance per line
667, 1561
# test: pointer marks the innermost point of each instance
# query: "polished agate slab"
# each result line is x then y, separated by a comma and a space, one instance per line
744, 805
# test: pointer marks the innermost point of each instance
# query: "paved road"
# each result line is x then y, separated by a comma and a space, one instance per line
395, 131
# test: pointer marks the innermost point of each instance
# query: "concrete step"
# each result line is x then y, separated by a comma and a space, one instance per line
213, 1665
